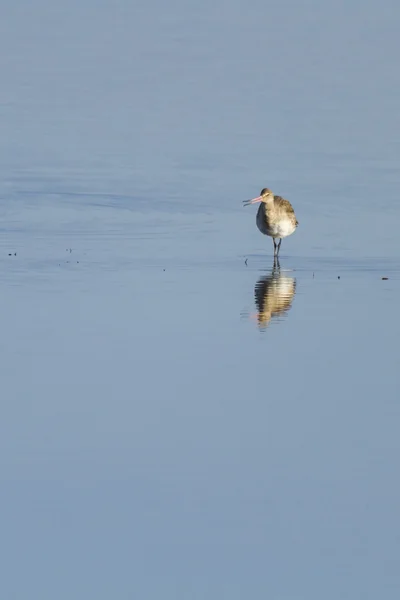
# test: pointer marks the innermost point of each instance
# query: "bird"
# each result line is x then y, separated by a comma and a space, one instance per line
275, 216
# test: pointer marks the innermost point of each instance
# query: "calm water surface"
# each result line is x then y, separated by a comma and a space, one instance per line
181, 419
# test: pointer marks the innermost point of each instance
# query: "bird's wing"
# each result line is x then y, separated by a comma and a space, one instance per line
285, 205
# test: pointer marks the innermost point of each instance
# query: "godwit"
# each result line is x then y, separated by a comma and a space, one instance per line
275, 216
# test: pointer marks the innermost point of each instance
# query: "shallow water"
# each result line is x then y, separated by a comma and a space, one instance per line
180, 418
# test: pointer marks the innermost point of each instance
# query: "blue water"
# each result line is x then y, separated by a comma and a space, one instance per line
180, 420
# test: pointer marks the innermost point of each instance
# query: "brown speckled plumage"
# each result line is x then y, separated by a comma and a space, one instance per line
284, 206
275, 217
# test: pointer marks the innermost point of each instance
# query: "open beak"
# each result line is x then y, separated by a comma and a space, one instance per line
253, 201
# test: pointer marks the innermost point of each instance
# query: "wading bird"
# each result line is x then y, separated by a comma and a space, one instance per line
275, 216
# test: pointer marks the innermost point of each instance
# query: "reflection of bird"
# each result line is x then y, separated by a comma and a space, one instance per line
275, 216
273, 295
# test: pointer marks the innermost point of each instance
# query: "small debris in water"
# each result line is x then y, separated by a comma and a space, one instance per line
385, 278
313, 275
338, 276
163, 269
245, 262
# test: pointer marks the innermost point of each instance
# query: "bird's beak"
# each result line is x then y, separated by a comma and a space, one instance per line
253, 201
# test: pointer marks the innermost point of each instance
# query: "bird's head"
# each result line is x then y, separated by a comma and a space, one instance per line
265, 196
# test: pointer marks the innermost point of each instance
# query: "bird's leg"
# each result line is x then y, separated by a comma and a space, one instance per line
275, 246
278, 246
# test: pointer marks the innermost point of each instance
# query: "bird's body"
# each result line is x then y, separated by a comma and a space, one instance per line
275, 217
